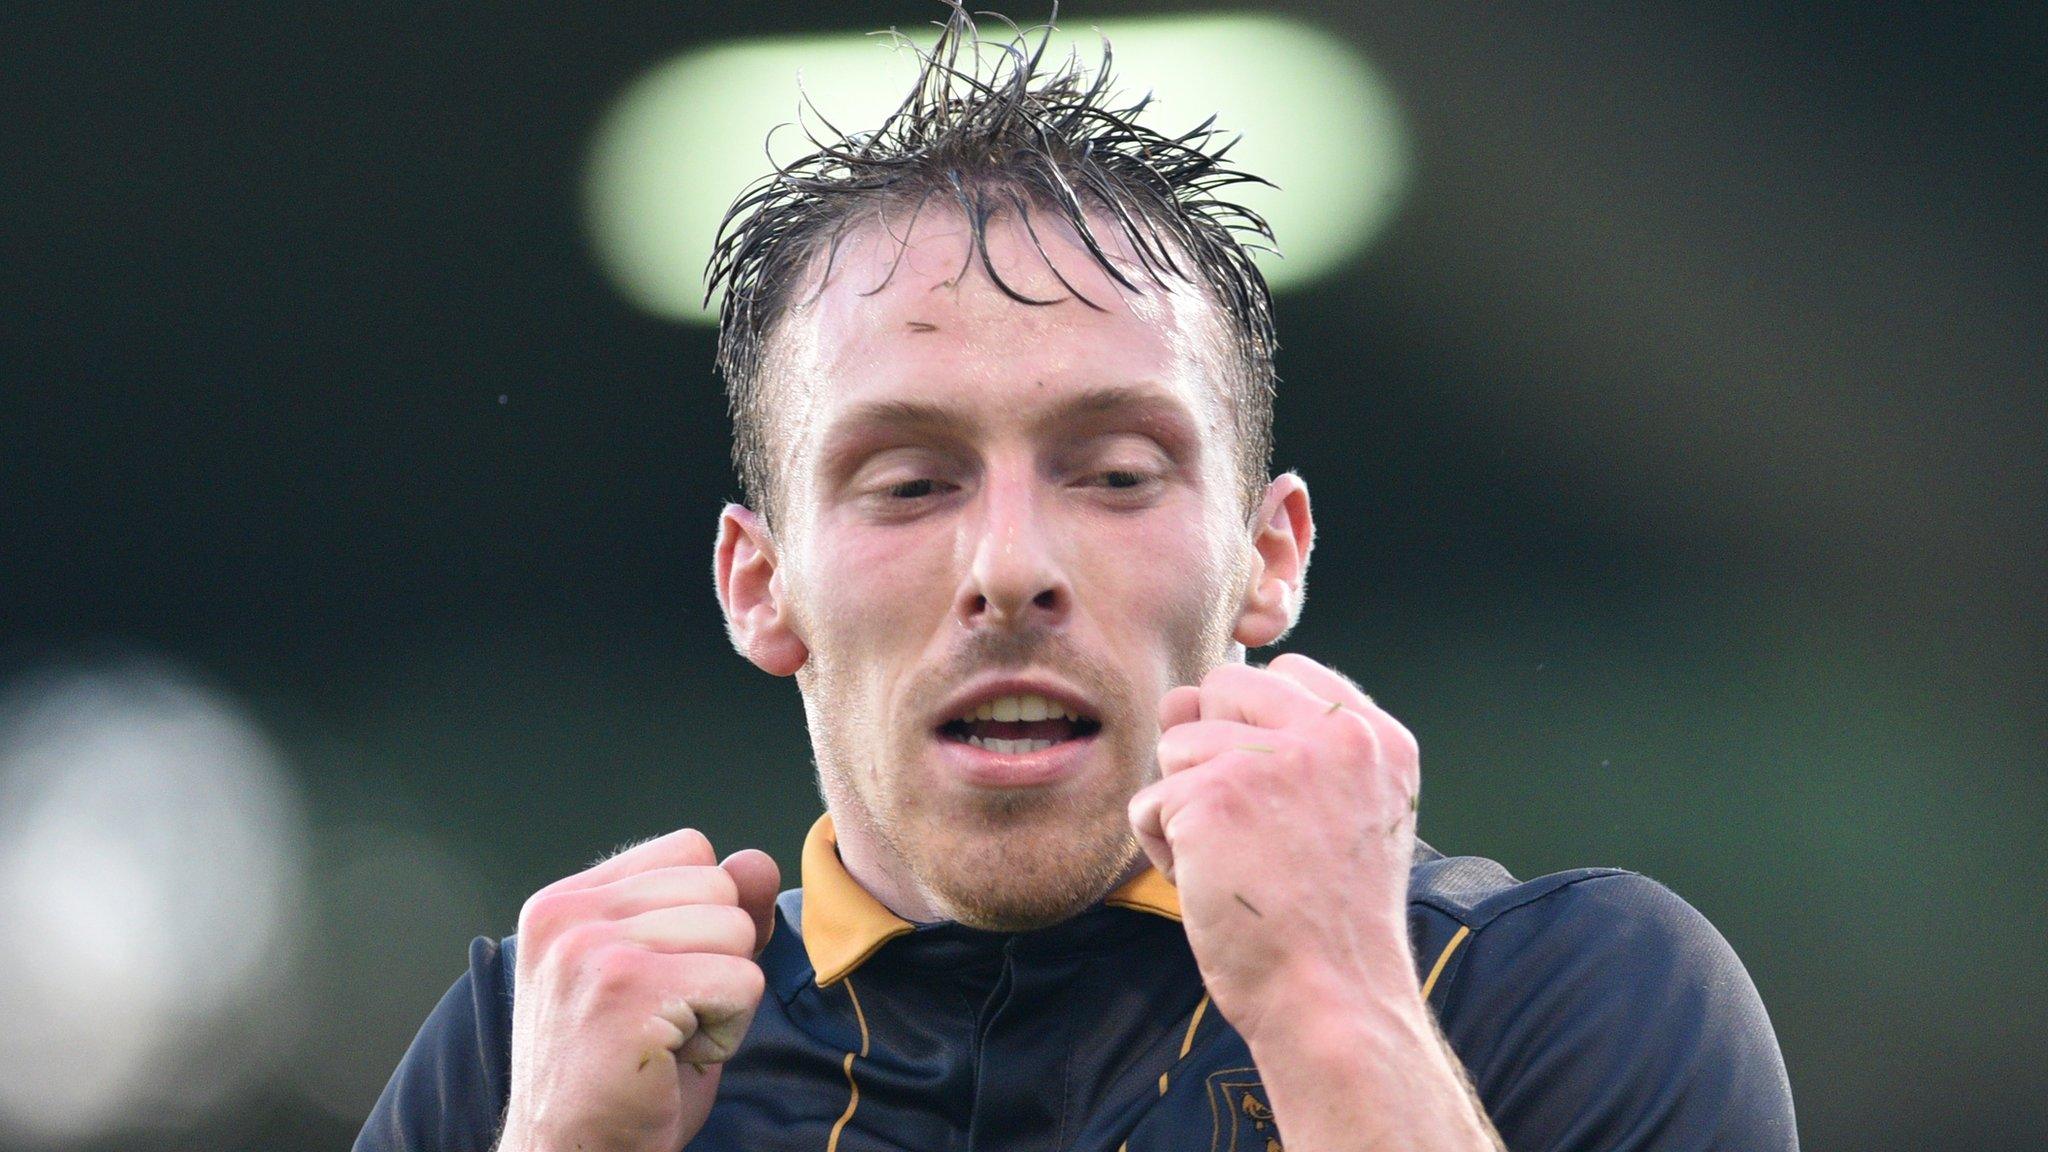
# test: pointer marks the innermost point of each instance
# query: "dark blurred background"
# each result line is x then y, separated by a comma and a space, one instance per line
1678, 450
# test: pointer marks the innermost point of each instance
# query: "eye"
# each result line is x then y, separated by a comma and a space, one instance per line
1128, 487
913, 489
1122, 479
1125, 468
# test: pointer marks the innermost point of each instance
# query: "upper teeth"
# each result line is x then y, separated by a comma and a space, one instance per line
1026, 707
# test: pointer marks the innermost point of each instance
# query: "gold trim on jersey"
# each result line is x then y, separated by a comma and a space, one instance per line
852, 1085
1437, 969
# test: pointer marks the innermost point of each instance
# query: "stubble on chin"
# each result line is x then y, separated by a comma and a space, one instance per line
1014, 863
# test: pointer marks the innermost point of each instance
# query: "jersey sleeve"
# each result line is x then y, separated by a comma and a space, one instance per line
449, 1092
1608, 1014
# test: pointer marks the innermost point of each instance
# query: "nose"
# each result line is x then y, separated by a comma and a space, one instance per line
1014, 579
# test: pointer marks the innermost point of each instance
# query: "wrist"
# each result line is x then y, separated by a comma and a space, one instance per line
1367, 1067
1320, 1013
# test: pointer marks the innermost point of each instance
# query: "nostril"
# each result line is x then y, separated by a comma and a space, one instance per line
1007, 611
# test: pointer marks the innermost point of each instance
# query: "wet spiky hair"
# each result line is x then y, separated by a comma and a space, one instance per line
991, 127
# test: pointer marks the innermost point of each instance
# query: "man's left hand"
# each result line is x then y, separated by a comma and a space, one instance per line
1286, 817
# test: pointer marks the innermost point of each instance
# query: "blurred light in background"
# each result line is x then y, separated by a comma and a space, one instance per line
684, 139
150, 877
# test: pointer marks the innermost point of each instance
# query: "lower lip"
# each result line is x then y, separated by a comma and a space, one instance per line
983, 768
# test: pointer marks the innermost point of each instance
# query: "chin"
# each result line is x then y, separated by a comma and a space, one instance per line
1026, 874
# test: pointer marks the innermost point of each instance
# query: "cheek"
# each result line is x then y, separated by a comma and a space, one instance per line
870, 586
1166, 576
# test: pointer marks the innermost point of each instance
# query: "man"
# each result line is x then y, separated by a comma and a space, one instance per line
1001, 377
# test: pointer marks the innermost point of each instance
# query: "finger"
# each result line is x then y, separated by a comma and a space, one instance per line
683, 847
1398, 750
758, 880
1396, 743
1155, 810
712, 1003
1186, 745
710, 928
659, 888
1179, 706
1322, 680
1255, 696
1148, 824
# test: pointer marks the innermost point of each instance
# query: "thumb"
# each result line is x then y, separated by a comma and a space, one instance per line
758, 879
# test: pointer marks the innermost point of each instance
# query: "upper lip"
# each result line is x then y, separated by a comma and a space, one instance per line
978, 692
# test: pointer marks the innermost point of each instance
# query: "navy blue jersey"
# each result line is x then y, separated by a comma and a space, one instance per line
1594, 1010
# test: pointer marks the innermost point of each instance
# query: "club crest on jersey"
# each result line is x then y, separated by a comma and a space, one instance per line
1243, 1119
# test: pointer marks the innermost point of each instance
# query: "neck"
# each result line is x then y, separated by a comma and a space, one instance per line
876, 869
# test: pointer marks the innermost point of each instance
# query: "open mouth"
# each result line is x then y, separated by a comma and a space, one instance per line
1014, 725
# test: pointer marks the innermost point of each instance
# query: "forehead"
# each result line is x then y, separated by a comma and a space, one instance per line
908, 309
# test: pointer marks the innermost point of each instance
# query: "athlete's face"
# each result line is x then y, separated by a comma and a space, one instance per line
1004, 531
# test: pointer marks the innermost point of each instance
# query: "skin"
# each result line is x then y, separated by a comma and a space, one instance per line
967, 485
636, 980
986, 532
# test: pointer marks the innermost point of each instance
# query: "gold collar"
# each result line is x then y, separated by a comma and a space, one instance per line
843, 925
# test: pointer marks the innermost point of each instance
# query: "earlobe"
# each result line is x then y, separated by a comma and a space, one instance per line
1281, 542
751, 593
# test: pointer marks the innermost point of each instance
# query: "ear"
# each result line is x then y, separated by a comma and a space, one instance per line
750, 590
1282, 536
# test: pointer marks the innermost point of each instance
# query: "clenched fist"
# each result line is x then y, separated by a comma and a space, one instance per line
635, 980
1285, 813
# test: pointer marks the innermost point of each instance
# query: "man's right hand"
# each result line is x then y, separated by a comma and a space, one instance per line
636, 980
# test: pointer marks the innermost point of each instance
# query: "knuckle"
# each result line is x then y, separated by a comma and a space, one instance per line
1247, 797
579, 944
719, 886
613, 971
723, 985
1143, 809
1223, 675
532, 917
695, 843
1354, 731
1221, 807
1293, 753
667, 1028
1287, 660
546, 913
1403, 746
1189, 825
693, 884
715, 1041
684, 846
732, 929
1190, 818
749, 981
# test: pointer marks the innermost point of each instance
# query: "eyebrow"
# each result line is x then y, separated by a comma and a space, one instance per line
1151, 408
1151, 405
